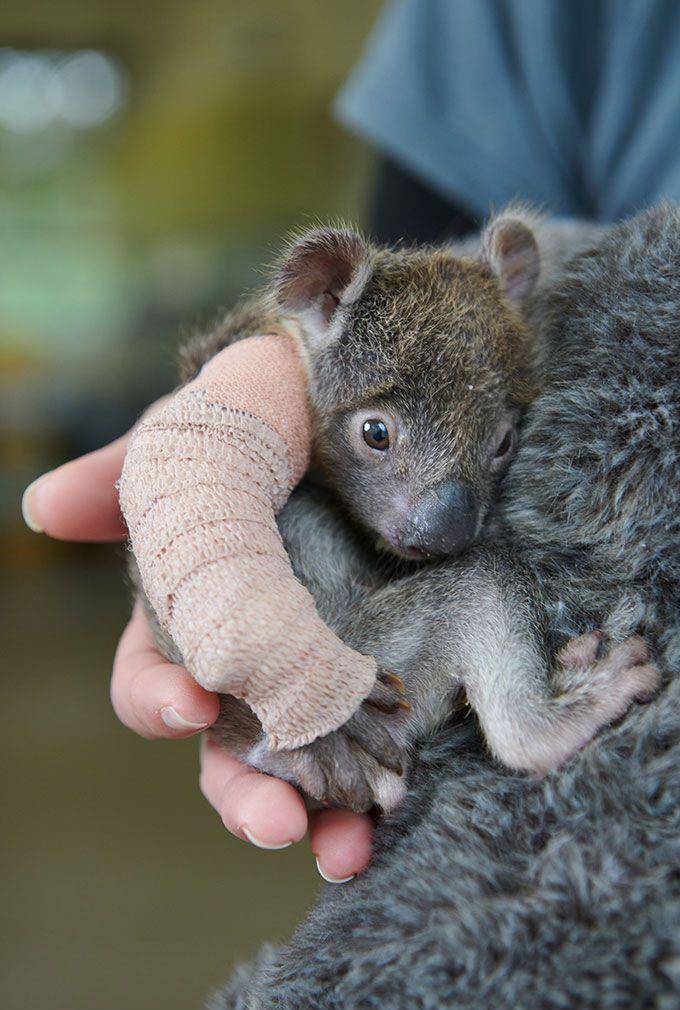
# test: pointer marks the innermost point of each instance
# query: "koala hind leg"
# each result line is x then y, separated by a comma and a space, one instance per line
535, 713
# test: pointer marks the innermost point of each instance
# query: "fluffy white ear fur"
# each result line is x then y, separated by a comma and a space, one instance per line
511, 251
323, 272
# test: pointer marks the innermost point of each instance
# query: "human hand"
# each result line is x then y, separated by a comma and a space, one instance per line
159, 699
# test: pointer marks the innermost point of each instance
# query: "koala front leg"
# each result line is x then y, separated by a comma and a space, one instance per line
332, 561
402, 624
535, 714
362, 763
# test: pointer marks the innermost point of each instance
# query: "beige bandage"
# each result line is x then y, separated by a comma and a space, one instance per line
203, 479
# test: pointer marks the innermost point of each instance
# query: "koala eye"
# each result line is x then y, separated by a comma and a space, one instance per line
505, 447
376, 434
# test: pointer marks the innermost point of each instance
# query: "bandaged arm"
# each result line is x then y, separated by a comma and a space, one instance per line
203, 480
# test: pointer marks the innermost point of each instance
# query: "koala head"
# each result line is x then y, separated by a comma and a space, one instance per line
420, 365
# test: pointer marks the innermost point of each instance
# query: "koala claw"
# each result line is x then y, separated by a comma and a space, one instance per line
342, 768
387, 693
387, 677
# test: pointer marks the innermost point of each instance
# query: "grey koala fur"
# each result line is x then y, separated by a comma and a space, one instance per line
488, 889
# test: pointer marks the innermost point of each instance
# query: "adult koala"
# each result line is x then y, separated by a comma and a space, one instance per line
490, 889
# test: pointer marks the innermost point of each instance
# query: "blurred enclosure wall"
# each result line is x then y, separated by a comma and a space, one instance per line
151, 158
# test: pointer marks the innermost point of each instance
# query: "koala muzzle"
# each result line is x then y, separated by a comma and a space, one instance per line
443, 523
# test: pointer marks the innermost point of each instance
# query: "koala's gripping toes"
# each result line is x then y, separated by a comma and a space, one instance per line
203, 479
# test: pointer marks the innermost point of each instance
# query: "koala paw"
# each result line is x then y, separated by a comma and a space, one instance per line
593, 685
347, 767
610, 680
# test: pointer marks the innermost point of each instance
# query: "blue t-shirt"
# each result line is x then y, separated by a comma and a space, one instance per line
571, 104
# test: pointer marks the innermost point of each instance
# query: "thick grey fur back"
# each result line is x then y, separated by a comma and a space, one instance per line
493, 891
593, 498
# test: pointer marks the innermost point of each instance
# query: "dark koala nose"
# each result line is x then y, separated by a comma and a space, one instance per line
444, 522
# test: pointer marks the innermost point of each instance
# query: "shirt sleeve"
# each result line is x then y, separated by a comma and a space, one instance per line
486, 100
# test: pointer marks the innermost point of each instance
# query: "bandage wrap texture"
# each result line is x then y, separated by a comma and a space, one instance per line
202, 482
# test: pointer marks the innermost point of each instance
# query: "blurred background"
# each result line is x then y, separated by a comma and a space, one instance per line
151, 158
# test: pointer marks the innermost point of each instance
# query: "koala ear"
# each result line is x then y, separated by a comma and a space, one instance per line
322, 271
511, 251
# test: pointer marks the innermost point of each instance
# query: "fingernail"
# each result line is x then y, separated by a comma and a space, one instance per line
174, 720
26, 507
333, 880
262, 845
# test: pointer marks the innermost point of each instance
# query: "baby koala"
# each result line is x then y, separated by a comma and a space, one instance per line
421, 363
